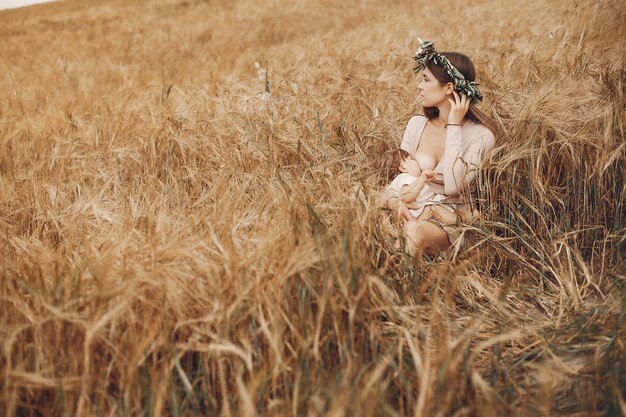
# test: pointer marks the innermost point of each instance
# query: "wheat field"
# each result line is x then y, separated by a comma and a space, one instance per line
188, 222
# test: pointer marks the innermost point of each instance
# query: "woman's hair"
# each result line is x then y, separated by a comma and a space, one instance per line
466, 67
389, 165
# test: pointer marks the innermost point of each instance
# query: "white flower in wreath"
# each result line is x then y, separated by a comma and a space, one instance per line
419, 49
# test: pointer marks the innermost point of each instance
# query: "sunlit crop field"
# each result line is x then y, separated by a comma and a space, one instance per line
188, 221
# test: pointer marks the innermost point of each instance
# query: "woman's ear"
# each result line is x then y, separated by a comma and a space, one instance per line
449, 88
402, 168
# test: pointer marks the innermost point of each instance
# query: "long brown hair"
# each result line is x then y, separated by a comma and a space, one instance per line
466, 67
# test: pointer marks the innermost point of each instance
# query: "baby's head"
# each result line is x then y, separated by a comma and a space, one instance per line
394, 162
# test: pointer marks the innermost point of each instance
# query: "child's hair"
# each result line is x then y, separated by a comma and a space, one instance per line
389, 164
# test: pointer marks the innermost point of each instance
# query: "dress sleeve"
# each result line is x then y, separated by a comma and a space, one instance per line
462, 157
409, 140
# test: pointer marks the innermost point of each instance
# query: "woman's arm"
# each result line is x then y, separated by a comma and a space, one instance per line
460, 166
397, 205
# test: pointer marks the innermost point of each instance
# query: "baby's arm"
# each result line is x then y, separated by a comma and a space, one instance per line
409, 193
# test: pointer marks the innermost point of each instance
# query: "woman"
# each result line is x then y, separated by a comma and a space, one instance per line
451, 138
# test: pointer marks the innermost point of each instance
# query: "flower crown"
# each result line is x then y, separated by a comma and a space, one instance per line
426, 52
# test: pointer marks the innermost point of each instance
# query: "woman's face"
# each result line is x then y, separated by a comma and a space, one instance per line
431, 92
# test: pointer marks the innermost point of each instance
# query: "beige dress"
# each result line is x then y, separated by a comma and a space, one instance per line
453, 187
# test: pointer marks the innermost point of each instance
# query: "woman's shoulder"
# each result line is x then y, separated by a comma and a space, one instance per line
417, 120
478, 130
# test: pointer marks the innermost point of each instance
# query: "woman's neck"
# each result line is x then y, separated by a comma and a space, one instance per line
444, 112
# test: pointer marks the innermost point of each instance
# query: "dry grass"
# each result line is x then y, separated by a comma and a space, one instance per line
175, 242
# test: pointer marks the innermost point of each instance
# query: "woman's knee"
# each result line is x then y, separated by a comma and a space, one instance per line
414, 229
410, 227
428, 237
412, 234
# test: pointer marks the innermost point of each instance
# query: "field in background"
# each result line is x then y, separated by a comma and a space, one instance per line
181, 232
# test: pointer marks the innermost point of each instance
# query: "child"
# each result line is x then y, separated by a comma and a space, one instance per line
406, 179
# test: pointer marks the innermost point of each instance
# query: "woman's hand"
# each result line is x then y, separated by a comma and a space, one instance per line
458, 108
403, 211
427, 175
